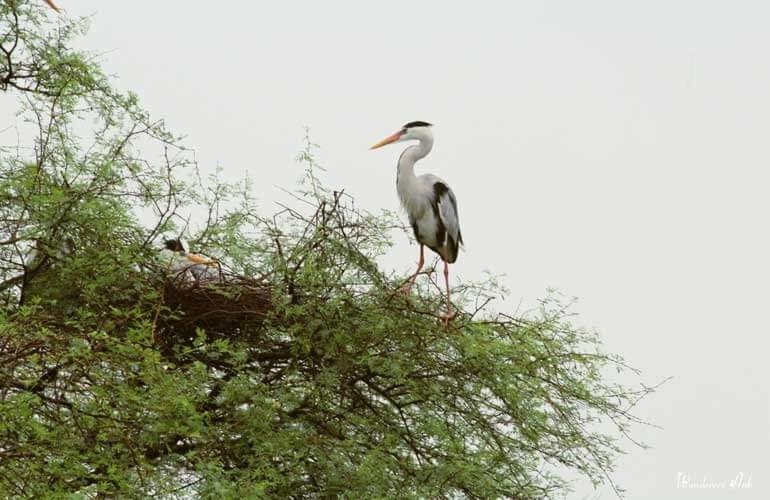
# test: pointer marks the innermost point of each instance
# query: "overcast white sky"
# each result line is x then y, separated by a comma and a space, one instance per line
617, 151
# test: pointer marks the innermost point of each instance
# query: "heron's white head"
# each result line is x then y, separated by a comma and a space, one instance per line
419, 131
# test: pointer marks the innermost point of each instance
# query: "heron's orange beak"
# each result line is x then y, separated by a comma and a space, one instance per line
197, 259
52, 5
387, 140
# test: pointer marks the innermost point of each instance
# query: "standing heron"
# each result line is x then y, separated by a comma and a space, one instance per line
428, 201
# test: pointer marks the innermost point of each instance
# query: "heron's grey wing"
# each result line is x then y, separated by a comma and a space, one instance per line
446, 205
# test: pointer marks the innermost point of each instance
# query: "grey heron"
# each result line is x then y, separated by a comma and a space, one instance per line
179, 261
429, 203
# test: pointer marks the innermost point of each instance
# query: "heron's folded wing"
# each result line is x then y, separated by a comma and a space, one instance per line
447, 209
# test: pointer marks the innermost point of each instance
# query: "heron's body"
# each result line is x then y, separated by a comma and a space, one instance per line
179, 262
428, 201
432, 210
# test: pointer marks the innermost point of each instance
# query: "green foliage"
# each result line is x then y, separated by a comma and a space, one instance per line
336, 385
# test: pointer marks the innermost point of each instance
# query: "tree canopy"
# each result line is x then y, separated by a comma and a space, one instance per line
299, 372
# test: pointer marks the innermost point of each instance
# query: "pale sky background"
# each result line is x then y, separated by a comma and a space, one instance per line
615, 150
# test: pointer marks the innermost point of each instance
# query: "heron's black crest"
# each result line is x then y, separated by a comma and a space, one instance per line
418, 124
174, 245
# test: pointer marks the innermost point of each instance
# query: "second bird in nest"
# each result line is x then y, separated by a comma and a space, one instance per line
179, 262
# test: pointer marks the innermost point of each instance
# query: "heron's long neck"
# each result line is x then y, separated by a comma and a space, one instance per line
408, 158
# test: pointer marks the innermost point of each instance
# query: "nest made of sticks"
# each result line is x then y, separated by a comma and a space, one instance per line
226, 306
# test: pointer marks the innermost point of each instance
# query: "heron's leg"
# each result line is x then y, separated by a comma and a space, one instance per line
407, 288
450, 313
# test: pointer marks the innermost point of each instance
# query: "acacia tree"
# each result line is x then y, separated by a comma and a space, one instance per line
299, 373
